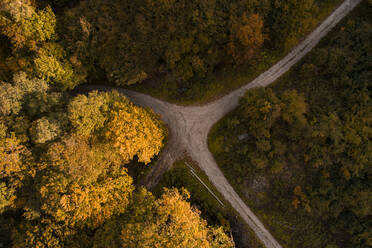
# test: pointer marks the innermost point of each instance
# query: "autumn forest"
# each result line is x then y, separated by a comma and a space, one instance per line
73, 162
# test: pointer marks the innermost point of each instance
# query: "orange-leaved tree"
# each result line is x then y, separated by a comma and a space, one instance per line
246, 37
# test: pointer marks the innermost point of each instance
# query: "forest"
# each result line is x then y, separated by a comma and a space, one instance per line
70, 160
63, 156
300, 151
178, 42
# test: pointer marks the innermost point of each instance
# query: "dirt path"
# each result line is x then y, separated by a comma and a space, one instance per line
189, 126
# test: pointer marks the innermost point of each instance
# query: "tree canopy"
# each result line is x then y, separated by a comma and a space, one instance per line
63, 175
169, 221
185, 40
33, 44
65, 159
62, 161
305, 156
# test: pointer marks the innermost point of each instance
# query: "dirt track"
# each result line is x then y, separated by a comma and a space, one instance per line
189, 126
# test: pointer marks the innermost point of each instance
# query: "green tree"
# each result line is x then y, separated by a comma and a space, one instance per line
293, 107
288, 20
314, 151
259, 108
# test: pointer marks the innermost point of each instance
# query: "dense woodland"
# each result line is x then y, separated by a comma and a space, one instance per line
304, 156
127, 42
64, 156
183, 40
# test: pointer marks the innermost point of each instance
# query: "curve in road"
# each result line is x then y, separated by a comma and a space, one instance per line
189, 126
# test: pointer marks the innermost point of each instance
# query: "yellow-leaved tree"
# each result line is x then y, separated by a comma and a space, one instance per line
171, 222
85, 185
135, 131
85, 205
168, 222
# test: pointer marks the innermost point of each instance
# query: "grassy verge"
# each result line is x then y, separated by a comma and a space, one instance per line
211, 210
224, 81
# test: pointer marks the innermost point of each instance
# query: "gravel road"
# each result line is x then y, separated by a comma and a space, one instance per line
189, 125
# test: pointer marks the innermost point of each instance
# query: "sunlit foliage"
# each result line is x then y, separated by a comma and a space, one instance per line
169, 221
32, 34
25, 26
135, 131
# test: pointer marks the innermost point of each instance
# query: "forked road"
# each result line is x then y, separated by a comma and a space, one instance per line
189, 126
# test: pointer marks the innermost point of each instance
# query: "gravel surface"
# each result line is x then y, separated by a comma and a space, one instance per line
189, 125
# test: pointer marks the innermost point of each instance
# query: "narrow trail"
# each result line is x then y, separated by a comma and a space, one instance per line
189, 126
